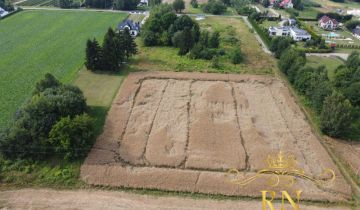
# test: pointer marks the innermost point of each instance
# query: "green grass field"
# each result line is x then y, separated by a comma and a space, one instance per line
54, 42
330, 63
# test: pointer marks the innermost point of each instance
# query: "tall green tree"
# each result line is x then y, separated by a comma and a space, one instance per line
336, 115
130, 47
179, 5
110, 59
93, 55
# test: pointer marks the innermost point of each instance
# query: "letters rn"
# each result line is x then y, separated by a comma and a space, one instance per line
284, 195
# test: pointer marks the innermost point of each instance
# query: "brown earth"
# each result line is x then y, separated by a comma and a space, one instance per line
183, 131
96, 199
348, 151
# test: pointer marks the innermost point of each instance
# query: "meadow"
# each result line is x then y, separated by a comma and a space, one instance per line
233, 32
54, 43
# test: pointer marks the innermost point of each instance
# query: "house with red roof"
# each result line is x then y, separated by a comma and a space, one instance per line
282, 3
328, 23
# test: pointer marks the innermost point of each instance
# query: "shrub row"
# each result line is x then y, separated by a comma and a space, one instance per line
263, 33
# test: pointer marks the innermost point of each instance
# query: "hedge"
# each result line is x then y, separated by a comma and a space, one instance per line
261, 31
311, 50
348, 46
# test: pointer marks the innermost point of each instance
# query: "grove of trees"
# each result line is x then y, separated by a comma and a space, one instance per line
52, 123
117, 4
335, 100
215, 7
115, 50
164, 28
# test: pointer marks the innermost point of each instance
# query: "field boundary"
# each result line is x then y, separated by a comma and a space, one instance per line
105, 166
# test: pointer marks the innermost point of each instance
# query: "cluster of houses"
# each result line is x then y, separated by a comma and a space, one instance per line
298, 34
3, 13
331, 24
291, 30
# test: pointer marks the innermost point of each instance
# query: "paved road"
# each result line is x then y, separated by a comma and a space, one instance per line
343, 56
97, 199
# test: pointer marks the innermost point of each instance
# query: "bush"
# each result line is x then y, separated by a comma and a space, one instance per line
215, 63
351, 24
236, 56
27, 136
336, 115
279, 45
215, 7
72, 137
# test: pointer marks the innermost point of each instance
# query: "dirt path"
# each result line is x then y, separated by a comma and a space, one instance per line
262, 43
94, 199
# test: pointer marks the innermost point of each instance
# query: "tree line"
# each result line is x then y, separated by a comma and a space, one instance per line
117, 48
116, 4
336, 101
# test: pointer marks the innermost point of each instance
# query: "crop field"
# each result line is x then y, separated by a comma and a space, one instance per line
183, 131
54, 42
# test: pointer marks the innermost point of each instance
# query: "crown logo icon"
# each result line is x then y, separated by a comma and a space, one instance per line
282, 166
281, 161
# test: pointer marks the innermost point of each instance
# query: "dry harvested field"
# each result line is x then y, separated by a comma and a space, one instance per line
183, 131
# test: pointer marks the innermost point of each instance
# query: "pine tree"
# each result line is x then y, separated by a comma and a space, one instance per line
98, 55
119, 47
130, 46
91, 54
110, 60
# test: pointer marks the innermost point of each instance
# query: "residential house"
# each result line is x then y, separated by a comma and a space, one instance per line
298, 34
133, 27
328, 23
356, 32
282, 3
144, 2
279, 31
3, 12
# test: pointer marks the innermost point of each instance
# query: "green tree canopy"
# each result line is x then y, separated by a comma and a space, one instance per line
336, 115
179, 5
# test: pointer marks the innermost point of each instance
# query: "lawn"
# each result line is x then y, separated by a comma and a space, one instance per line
54, 42
99, 90
308, 12
166, 58
330, 63
268, 24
